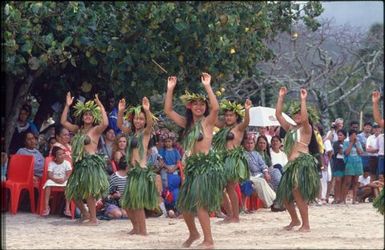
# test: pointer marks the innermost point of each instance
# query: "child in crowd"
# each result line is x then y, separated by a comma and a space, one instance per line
118, 182
58, 172
171, 157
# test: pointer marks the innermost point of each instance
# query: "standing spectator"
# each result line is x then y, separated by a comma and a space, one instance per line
380, 145
338, 124
105, 147
22, 125
171, 158
112, 112
326, 172
338, 166
119, 148
30, 149
353, 164
372, 151
362, 137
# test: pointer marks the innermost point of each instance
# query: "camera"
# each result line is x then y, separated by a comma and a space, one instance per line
334, 126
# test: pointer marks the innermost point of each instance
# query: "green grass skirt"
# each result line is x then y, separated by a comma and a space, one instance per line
140, 191
379, 202
88, 179
204, 183
302, 173
235, 165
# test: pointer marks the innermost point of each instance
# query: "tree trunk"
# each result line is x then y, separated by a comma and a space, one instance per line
324, 110
17, 103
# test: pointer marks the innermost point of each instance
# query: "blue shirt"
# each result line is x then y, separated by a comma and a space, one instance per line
38, 159
112, 120
170, 156
256, 163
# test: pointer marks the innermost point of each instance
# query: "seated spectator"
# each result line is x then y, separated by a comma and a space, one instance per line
368, 188
63, 139
30, 149
259, 174
59, 171
22, 125
48, 147
118, 183
4, 166
119, 148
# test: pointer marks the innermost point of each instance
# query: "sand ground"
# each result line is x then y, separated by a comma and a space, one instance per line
332, 227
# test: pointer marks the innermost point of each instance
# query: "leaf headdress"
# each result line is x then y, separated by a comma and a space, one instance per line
190, 97
232, 106
295, 107
133, 111
89, 106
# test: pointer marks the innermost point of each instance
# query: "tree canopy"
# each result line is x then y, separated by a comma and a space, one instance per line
115, 46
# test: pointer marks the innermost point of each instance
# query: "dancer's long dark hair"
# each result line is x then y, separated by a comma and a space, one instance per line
189, 120
313, 145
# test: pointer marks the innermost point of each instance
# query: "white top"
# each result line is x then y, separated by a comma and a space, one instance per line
278, 158
328, 146
59, 170
334, 135
371, 142
363, 181
380, 144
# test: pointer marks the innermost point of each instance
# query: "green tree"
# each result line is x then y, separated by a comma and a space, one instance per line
115, 46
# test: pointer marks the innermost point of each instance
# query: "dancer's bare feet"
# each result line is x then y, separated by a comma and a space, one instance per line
206, 245
304, 229
228, 220
133, 231
191, 239
84, 218
291, 225
91, 222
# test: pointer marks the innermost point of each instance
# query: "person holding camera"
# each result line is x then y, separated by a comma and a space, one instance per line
331, 135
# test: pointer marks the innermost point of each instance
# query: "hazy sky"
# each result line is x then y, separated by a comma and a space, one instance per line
354, 13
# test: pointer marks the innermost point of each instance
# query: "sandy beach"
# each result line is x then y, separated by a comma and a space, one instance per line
332, 227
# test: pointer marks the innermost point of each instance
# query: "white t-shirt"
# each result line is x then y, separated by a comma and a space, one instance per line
278, 158
328, 146
59, 170
363, 181
380, 144
372, 142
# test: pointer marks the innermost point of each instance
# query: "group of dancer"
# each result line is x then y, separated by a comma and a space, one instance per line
214, 164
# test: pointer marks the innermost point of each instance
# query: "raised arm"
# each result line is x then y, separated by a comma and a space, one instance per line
168, 110
63, 119
376, 109
246, 120
214, 106
149, 120
104, 123
304, 116
119, 123
278, 109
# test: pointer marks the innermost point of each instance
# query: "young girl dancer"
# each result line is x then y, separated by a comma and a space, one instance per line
140, 191
202, 189
88, 180
300, 181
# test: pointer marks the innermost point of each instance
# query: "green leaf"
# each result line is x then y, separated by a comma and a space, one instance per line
48, 39
67, 41
93, 60
27, 47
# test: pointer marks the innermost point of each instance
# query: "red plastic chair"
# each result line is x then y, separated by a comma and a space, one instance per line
55, 191
113, 166
20, 176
